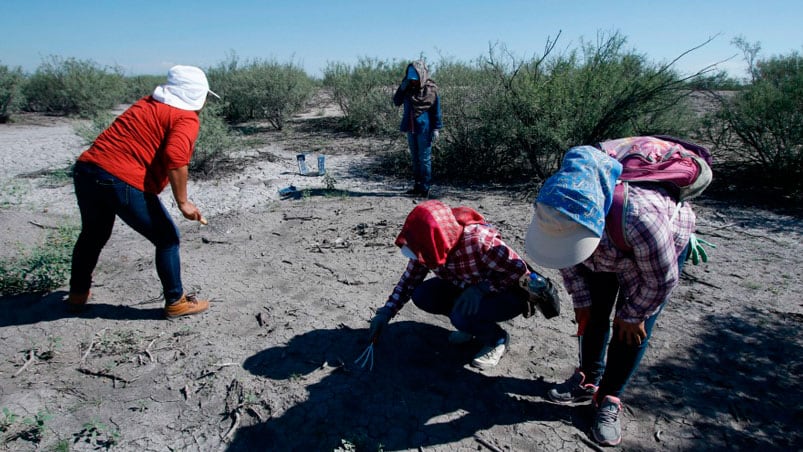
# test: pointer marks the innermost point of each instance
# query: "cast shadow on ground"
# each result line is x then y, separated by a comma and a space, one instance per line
742, 383
419, 394
34, 308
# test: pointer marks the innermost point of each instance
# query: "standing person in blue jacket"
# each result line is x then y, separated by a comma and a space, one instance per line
422, 120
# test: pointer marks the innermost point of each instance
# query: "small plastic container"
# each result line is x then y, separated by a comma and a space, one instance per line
302, 164
321, 165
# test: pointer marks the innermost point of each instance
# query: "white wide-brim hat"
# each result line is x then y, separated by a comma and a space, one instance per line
556, 241
186, 88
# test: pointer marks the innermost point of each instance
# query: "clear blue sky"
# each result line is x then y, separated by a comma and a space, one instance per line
147, 37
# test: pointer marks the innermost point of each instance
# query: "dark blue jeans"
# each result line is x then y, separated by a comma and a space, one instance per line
437, 296
102, 196
421, 153
622, 359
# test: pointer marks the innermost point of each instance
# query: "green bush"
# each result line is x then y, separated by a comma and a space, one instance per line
139, 86
70, 86
364, 93
766, 119
41, 269
11, 80
507, 118
97, 124
720, 81
261, 90
215, 140
471, 146
516, 118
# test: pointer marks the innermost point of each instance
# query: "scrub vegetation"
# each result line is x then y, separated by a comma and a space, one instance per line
295, 277
507, 118
41, 268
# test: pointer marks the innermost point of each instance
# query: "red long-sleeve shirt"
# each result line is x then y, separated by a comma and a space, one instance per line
144, 143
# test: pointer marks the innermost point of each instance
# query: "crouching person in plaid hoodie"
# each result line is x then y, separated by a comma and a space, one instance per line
476, 283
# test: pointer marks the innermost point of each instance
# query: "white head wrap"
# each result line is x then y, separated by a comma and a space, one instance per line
186, 88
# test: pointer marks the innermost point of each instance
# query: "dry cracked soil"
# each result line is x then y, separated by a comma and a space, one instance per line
294, 281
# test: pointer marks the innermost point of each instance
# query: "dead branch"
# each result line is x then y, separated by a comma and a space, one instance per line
88, 350
724, 226
91, 344
104, 374
487, 444
31, 359
206, 240
589, 443
288, 218
318, 264
350, 283
255, 413
234, 425
148, 350
213, 372
760, 236
42, 226
379, 244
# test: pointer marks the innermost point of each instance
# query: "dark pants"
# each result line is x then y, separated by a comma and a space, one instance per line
102, 196
437, 296
622, 359
421, 154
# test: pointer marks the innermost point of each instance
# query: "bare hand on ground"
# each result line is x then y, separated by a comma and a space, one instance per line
191, 212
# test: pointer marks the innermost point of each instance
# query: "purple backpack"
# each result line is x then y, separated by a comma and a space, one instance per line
681, 167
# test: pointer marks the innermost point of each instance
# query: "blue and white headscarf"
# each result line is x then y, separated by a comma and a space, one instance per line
583, 187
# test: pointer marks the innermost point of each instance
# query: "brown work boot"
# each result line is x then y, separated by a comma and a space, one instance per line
76, 302
186, 305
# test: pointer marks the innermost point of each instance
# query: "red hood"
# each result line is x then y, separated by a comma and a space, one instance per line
432, 229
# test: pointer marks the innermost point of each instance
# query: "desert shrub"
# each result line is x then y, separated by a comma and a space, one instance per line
518, 117
70, 86
41, 269
364, 94
261, 89
90, 130
139, 86
215, 140
470, 146
11, 80
765, 119
719, 81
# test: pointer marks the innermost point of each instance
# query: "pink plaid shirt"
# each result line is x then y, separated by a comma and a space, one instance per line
479, 256
650, 273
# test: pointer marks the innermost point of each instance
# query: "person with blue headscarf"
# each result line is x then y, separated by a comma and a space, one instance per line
568, 233
421, 120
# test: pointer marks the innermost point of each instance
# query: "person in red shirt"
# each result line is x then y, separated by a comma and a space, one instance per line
122, 174
476, 281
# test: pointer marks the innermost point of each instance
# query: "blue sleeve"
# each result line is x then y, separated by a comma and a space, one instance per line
437, 120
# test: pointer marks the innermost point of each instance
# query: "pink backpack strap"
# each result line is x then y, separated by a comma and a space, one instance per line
696, 148
615, 220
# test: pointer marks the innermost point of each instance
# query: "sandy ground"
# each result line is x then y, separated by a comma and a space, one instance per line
294, 282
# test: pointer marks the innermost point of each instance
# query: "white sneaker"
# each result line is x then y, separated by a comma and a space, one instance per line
490, 355
460, 337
